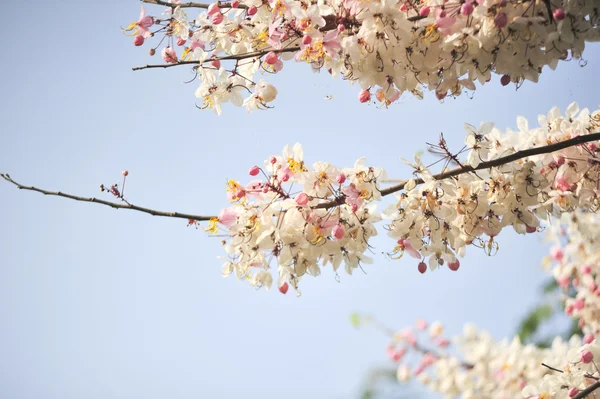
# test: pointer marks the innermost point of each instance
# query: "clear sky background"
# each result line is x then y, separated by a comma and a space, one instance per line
97, 303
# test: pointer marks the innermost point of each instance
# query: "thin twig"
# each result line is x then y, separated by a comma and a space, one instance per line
587, 391
108, 203
223, 58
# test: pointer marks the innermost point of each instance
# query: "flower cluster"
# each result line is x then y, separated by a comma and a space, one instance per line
387, 46
439, 218
300, 218
575, 263
269, 222
474, 365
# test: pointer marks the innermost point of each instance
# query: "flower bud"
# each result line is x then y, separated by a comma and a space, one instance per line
501, 20
588, 338
125, 173
422, 267
254, 170
338, 231
341, 178
587, 356
213, 9
341, 28
505, 80
424, 11
252, 10
216, 64
559, 14
138, 40
235, 4
180, 41
306, 40
454, 265
466, 9
152, 52
284, 288
530, 229
217, 18
273, 160
573, 392
364, 96
579, 304
302, 199
271, 58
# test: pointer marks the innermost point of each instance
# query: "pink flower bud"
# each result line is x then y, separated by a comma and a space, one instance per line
240, 193
254, 171
217, 18
593, 147
341, 28
560, 160
424, 11
573, 392
587, 356
341, 178
235, 4
403, 7
505, 80
588, 338
440, 95
252, 10
169, 55
273, 160
569, 309
125, 173
530, 229
579, 304
338, 231
285, 177
466, 9
216, 64
284, 288
501, 20
422, 267
556, 253
302, 199
306, 40
354, 208
364, 96
586, 269
558, 14
180, 41
421, 324
454, 265
271, 58
213, 9
138, 40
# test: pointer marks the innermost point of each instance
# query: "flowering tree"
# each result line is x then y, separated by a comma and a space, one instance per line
293, 219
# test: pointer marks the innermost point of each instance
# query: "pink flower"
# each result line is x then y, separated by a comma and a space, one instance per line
145, 21
421, 324
338, 231
302, 199
331, 43
364, 96
169, 55
563, 184
227, 217
180, 41
306, 40
352, 196
405, 244
556, 253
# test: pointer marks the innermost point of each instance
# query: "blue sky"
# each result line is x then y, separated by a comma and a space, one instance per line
99, 303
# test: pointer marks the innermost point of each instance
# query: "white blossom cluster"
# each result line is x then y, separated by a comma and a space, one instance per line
387, 46
439, 218
479, 367
298, 218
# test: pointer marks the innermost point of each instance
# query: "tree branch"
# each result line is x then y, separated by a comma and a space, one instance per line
484, 165
339, 201
223, 58
190, 4
108, 203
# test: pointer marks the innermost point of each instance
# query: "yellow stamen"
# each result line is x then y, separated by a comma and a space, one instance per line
213, 228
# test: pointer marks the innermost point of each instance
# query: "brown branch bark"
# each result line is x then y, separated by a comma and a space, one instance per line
223, 58
587, 391
339, 201
108, 203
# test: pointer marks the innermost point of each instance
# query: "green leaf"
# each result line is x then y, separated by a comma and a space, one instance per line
531, 323
550, 286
